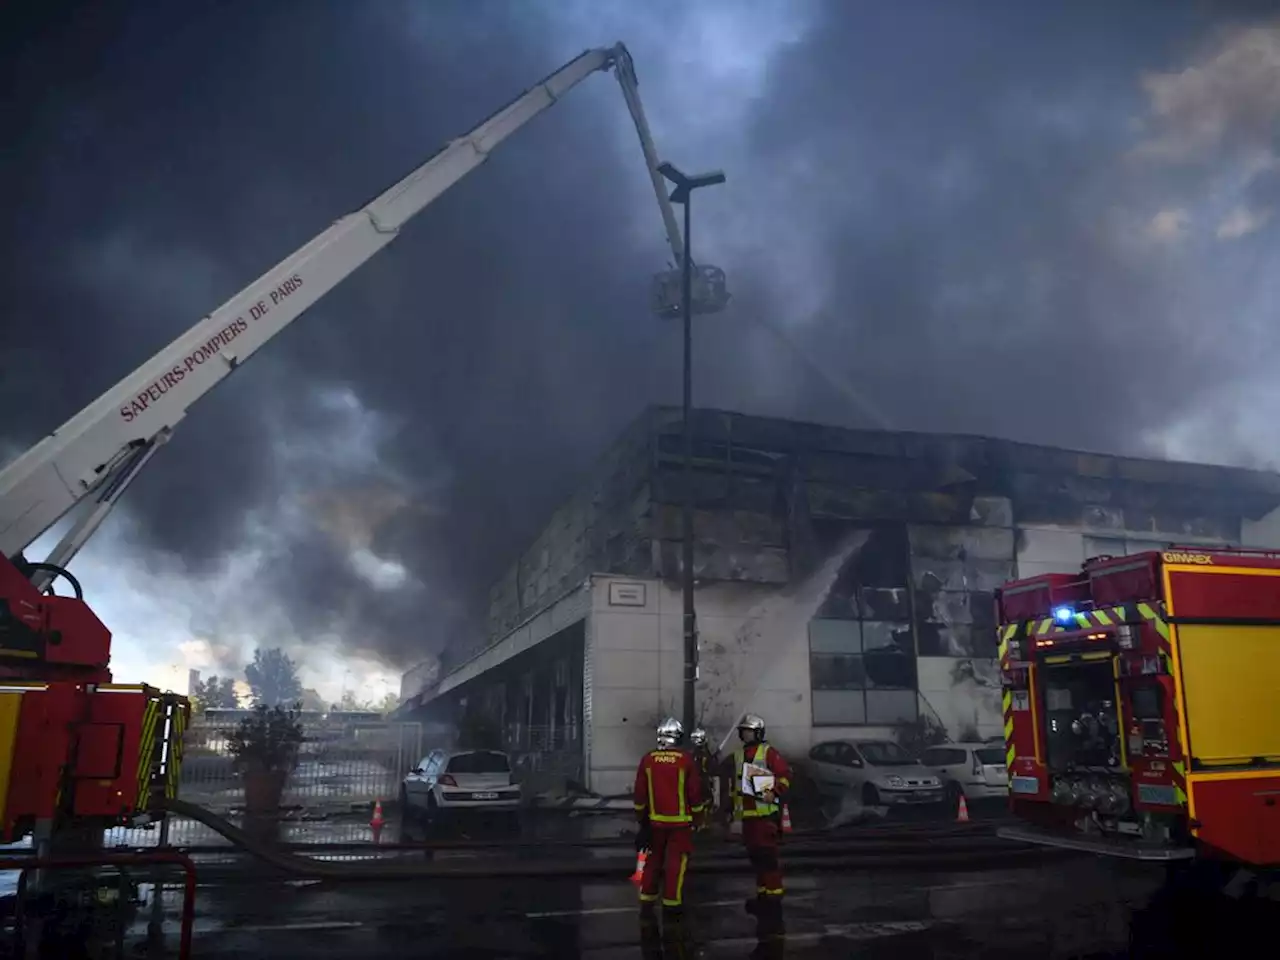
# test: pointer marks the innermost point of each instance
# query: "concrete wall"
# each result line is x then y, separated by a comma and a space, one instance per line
420, 678
754, 656
755, 647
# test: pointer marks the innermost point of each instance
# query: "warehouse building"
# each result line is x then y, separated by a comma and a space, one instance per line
844, 583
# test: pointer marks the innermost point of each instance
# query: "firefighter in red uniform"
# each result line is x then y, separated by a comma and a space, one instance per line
761, 816
668, 798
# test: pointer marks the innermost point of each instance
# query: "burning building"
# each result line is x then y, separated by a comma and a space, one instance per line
844, 582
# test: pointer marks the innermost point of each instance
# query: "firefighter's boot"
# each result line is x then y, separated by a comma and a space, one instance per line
768, 914
650, 934
677, 938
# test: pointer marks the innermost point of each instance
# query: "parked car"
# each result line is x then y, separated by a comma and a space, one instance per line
878, 772
976, 770
450, 786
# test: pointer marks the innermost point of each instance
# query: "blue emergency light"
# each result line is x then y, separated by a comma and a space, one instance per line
1064, 615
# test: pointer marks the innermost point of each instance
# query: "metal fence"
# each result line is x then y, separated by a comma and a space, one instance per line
344, 767
341, 765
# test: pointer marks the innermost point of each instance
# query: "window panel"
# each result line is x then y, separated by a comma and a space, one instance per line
891, 706
849, 660
890, 669
839, 707
881, 634
836, 672
835, 636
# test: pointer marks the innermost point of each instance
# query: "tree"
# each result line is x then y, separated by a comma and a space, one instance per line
273, 678
218, 693
350, 703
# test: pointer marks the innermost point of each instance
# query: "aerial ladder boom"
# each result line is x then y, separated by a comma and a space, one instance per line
85, 465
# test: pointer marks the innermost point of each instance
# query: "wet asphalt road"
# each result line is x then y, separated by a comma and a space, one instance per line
1074, 909
1071, 909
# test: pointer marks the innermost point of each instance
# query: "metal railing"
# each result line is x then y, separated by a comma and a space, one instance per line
341, 766
343, 769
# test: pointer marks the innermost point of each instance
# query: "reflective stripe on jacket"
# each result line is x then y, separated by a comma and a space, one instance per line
745, 808
668, 790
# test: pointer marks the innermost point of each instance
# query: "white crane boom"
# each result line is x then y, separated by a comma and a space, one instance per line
86, 464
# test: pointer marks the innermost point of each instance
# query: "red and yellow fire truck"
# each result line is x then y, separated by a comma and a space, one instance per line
1142, 705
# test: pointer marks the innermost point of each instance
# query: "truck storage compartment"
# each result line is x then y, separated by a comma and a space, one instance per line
1037, 597
1231, 678
1130, 579
1240, 816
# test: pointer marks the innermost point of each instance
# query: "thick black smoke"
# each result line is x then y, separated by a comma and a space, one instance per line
959, 175
972, 161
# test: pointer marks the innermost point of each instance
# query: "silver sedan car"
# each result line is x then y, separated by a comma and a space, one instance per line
448, 787
878, 773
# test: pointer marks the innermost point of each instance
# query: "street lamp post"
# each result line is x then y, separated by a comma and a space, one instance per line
683, 195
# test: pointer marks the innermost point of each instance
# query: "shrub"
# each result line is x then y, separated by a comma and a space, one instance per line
267, 740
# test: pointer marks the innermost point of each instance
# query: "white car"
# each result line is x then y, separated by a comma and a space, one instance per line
453, 784
975, 769
874, 772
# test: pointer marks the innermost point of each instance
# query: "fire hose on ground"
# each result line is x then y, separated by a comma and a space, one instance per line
797, 842
986, 852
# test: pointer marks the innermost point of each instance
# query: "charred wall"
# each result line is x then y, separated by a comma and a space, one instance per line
765, 490
605, 525
771, 496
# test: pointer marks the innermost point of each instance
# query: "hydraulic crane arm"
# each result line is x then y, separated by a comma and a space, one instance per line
86, 464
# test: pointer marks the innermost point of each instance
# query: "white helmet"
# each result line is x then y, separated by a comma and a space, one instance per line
699, 737
751, 722
670, 732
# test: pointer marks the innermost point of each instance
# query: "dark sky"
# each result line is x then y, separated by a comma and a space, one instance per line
1028, 220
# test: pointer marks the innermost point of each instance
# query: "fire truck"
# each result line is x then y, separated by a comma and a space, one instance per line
1142, 707
77, 749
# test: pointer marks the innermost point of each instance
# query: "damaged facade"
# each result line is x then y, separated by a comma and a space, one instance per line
845, 581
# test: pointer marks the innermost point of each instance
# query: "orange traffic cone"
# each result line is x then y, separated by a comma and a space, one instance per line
376, 823
786, 819
962, 814
641, 859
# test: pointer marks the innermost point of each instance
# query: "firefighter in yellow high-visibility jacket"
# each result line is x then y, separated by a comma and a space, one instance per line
760, 816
